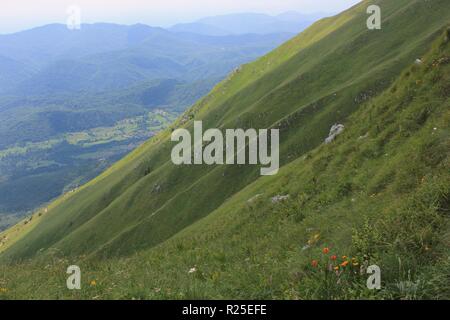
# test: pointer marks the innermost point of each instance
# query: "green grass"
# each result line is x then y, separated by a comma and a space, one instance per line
378, 194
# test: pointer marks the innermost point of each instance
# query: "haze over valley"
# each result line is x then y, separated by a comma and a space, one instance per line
72, 102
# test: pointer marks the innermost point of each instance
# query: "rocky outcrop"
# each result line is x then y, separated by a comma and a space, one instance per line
279, 198
336, 130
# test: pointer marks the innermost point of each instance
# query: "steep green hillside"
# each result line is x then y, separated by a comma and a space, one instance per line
55, 81
317, 79
378, 195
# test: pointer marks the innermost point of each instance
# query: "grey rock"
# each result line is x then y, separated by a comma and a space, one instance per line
336, 130
280, 198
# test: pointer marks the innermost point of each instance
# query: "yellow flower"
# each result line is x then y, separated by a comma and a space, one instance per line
344, 257
336, 268
314, 239
3, 290
93, 283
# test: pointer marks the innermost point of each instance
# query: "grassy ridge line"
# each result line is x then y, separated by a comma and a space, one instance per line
303, 133
211, 243
380, 191
142, 231
309, 36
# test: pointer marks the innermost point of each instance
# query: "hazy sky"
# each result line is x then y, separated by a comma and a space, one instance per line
22, 14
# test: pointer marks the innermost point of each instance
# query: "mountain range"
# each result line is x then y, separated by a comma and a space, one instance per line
54, 59
249, 23
106, 82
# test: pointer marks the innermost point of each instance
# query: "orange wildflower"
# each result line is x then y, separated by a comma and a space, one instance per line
326, 250
333, 257
344, 264
315, 263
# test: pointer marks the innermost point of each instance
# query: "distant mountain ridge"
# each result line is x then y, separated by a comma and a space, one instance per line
122, 55
245, 23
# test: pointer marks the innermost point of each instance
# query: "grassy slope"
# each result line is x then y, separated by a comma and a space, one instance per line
380, 194
303, 88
